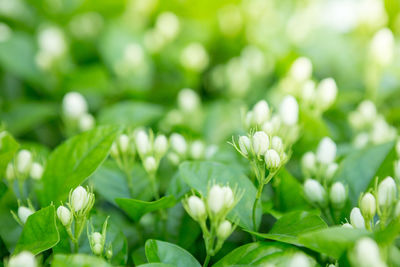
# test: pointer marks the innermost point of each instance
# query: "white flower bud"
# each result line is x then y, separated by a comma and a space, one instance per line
188, 100
97, 249
361, 140
160, 145
97, 238
338, 195
194, 57
367, 110
228, 197
150, 164
300, 260
301, 69
347, 225
277, 144
261, 112
244, 144
123, 143
224, 230
382, 47
79, 199
314, 192
326, 151
326, 93
387, 192
23, 259
64, 215
24, 161
114, 150
178, 144
289, 110
86, 122
167, 24
356, 218
173, 158
367, 253
36, 171
196, 207
24, 213
272, 159
142, 142
368, 206
268, 128
260, 142
331, 170
197, 149
215, 199
10, 171
74, 105
109, 253
309, 162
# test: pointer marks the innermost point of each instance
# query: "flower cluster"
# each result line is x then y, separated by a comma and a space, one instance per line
75, 113
215, 207
97, 241
369, 126
76, 212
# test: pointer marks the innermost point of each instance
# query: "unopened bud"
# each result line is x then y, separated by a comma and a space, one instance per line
114, 150
387, 192
244, 144
356, 218
97, 238
188, 100
123, 143
64, 215
272, 159
10, 172
301, 69
260, 143
79, 198
197, 149
277, 144
331, 170
314, 192
142, 142
86, 122
97, 249
347, 225
150, 164
74, 105
24, 161
299, 260
367, 253
382, 47
220, 198
289, 110
224, 230
368, 206
178, 144
196, 208
24, 213
260, 112
23, 259
228, 197
36, 171
160, 145
109, 253
338, 195
326, 151
309, 163
326, 93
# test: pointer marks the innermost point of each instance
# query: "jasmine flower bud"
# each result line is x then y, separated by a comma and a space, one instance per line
196, 208
272, 159
289, 110
260, 142
188, 100
97, 249
382, 47
244, 145
387, 192
269, 128
10, 172
224, 230
367, 253
331, 170
24, 161
220, 198
123, 143
301, 69
260, 112
86, 122
326, 93
23, 259
74, 105
368, 206
197, 149
277, 144
314, 192
150, 164
97, 238
299, 260
309, 162
356, 218
114, 150
194, 57
79, 199
142, 142
228, 197
64, 215
160, 145
338, 195
109, 253
36, 171
326, 151
178, 144
24, 213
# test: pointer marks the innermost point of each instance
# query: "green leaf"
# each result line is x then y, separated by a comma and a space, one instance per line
259, 254
40, 232
332, 241
359, 168
156, 264
164, 252
73, 161
78, 260
137, 208
8, 147
199, 175
291, 225
131, 113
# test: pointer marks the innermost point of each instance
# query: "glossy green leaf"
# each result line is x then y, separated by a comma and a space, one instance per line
8, 147
75, 160
78, 260
291, 225
164, 252
40, 232
332, 241
259, 254
199, 175
359, 168
137, 208
131, 113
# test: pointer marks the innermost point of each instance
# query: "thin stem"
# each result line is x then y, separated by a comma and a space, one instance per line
207, 260
258, 196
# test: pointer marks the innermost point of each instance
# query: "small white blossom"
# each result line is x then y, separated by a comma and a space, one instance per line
289, 110
123, 143
326, 93
338, 195
194, 57
167, 24
160, 145
301, 69
74, 105
368, 206
22, 259
314, 192
309, 162
150, 164
272, 159
24, 213
382, 47
260, 142
142, 142
36, 171
367, 253
196, 207
197, 149
86, 122
387, 192
326, 151
178, 144
24, 161
224, 230
261, 112
188, 100
244, 144
79, 198
299, 260
64, 215
356, 218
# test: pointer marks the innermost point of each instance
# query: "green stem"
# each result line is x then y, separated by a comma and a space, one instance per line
258, 196
207, 260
